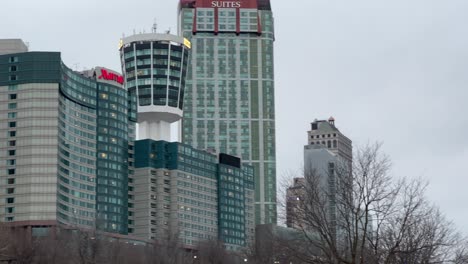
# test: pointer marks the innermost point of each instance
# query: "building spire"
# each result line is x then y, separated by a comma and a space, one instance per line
154, 29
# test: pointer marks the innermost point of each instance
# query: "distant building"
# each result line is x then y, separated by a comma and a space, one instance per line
294, 196
193, 195
9, 46
327, 157
324, 134
65, 138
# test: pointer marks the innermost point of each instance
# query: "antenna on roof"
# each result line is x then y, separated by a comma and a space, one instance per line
154, 29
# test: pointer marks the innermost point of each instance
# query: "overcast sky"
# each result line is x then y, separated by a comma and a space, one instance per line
391, 71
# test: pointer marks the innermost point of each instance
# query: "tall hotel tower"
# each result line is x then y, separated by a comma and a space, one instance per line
229, 105
64, 144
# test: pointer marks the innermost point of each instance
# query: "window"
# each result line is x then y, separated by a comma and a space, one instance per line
12, 115
11, 181
11, 172
39, 231
12, 143
12, 96
9, 210
9, 219
11, 124
10, 190
13, 68
12, 133
13, 59
11, 162
13, 78
12, 152
10, 200
12, 106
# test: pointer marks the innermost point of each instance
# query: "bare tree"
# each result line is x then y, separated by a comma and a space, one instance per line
215, 252
5, 243
461, 254
363, 215
18, 246
168, 251
277, 244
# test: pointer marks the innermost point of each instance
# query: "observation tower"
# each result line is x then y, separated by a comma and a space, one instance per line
154, 67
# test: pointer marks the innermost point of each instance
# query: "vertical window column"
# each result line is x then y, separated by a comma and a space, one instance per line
11, 152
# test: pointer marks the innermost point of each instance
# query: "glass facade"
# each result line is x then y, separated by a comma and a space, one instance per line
68, 140
155, 67
229, 105
156, 70
211, 198
231, 205
76, 201
112, 158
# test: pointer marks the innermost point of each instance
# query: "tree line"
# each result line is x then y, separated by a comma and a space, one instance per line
349, 215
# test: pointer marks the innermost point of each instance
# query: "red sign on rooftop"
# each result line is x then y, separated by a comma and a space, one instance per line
110, 76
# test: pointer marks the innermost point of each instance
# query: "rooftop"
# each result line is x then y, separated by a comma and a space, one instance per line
9, 46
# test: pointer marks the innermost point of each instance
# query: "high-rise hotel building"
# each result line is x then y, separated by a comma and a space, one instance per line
229, 98
179, 191
192, 195
65, 144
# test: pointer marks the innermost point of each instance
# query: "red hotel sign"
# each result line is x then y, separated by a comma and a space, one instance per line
110, 76
227, 3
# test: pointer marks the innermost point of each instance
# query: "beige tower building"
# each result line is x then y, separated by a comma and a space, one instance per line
328, 152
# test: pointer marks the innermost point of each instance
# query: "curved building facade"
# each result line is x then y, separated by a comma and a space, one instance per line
67, 137
77, 138
155, 67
